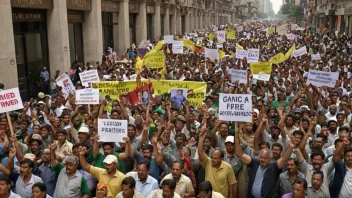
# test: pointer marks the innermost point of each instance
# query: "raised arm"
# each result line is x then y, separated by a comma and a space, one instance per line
96, 146
128, 150
159, 157
53, 154
82, 158
10, 161
188, 122
214, 130
238, 149
202, 135
282, 161
337, 155
302, 144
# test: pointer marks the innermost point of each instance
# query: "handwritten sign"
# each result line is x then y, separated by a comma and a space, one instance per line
235, 107
253, 55
240, 54
168, 39
221, 36
261, 71
316, 57
291, 36
301, 51
177, 47
10, 100
87, 96
67, 86
321, 78
213, 54
89, 77
238, 75
112, 130
239, 28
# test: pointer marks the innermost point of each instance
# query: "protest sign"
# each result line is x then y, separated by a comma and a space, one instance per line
140, 95
213, 54
211, 36
240, 54
155, 59
235, 107
281, 30
261, 71
178, 97
248, 35
221, 36
112, 130
322, 78
239, 28
293, 26
200, 40
231, 34
253, 55
238, 75
10, 100
316, 57
291, 36
168, 39
177, 47
278, 58
87, 96
301, 51
270, 31
196, 90
67, 86
89, 77
188, 44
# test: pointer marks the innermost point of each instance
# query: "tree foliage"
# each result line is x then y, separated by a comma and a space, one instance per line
292, 11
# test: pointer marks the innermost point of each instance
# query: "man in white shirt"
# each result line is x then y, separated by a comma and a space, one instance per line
25, 182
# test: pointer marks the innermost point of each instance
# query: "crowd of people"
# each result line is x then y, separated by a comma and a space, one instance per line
297, 145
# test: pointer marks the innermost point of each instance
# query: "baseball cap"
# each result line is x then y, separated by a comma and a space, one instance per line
29, 156
41, 95
71, 159
180, 117
110, 159
230, 139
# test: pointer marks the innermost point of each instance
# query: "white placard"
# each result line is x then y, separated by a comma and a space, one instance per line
253, 55
177, 47
322, 78
235, 107
239, 28
168, 39
112, 130
213, 54
238, 75
248, 35
219, 46
87, 96
67, 86
316, 57
10, 100
301, 51
200, 40
89, 77
263, 77
221, 36
293, 26
240, 54
291, 36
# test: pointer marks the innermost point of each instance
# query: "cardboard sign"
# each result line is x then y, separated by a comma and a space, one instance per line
235, 107
67, 86
10, 100
221, 36
155, 59
231, 34
239, 28
293, 26
316, 57
291, 36
238, 75
168, 39
261, 71
301, 51
87, 96
240, 54
177, 47
281, 30
213, 54
322, 78
253, 55
89, 77
112, 130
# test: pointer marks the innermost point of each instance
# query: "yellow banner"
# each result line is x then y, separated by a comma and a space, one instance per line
289, 52
261, 68
188, 44
238, 46
155, 59
211, 36
271, 31
231, 34
116, 88
159, 46
221, 54
139, 65
198, 88
278, 58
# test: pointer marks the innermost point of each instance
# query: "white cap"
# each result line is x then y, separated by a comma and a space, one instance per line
110, 159
40, 102
83, 129
41, 95
29, 156
230, 139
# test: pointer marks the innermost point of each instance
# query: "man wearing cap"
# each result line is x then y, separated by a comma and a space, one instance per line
110, 175
70, 182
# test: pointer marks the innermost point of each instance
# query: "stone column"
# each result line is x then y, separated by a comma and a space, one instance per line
196, 19
141, 23
8, 64
92, 33
58, 39
124, 27
233, 17
178, 22
173, 21
187, 22
167, 21
201, 19
217, 19
156, 21
116, 31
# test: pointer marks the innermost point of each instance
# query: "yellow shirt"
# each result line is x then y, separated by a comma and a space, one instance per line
220, 178
114, 183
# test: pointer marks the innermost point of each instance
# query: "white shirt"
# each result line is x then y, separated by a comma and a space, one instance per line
346, 189
146, 188
159, 194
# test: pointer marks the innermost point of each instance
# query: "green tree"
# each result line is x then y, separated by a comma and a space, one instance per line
285, 9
